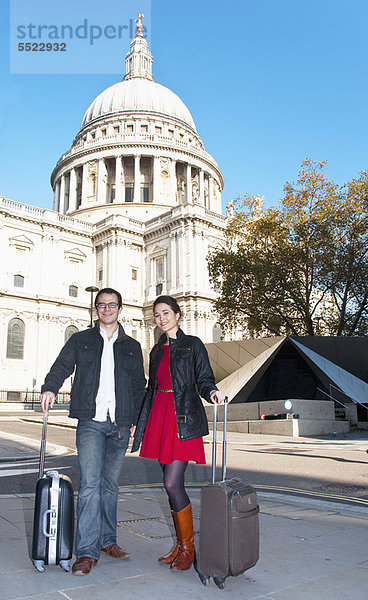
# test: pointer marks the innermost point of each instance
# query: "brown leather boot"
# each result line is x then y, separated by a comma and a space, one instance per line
168, 558
186, 554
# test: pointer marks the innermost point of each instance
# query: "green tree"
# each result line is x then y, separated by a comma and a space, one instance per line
300, 268
349, 281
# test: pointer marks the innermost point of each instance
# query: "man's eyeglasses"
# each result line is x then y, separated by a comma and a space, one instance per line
105, 305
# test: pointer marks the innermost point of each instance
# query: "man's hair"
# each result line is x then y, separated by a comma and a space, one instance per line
109, 291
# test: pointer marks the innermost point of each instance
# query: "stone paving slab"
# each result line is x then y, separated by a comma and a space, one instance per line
310, 550
346, 584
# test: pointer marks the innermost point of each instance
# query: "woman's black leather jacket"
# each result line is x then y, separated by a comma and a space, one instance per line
191, 376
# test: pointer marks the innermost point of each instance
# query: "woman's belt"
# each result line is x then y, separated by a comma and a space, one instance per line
167, 391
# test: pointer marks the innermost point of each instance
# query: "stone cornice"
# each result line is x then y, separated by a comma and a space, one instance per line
167, 222
44, 217
40, 299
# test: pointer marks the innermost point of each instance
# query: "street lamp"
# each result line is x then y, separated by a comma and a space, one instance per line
91, 288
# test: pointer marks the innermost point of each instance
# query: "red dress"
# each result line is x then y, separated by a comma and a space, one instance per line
161, 439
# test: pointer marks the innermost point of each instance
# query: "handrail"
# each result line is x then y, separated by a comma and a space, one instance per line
332, 398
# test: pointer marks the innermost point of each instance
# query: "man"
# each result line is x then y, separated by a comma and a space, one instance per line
106, 396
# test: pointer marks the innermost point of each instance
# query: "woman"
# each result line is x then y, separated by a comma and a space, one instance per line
173, 420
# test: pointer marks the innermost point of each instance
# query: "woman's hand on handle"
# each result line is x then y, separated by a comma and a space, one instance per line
217, 396
47, 400
132, 431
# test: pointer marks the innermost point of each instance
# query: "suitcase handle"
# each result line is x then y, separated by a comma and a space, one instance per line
46, 533
215, 409
43, 445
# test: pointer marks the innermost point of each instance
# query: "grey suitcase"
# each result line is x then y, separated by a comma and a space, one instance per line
229, 524
53, 523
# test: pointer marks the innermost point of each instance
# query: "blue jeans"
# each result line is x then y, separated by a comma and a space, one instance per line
101, 456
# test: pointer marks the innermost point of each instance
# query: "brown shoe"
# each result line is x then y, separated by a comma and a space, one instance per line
115, 551
83, 565
186, 554
169, 558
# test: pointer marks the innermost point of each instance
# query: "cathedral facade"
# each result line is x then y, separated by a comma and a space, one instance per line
137, 207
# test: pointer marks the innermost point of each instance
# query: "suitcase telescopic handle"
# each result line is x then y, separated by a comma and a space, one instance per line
43, 445
215, 417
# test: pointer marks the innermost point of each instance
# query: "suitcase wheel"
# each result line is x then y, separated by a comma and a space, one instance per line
220, 582
65, 565
204, 578
39, 564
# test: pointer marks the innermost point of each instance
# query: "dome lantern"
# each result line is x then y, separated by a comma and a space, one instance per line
139, 60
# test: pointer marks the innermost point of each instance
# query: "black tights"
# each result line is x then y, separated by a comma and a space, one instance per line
174, 484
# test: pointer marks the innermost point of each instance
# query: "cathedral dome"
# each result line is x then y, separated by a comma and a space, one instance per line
138, 95
137, 151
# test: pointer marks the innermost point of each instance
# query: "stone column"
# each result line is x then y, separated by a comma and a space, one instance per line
189, 184
201, 187
178, 237
57, 195
210, 193
113, 262
105, 264
84, 184
171, 264
101, 182
195, 265
137, 179
73, 191
219, 202
156, 179
173, 183
118, 187
61, 194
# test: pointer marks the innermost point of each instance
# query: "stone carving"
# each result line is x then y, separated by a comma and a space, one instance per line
257, 204
195, 193
230, 209
181, 190
165, 165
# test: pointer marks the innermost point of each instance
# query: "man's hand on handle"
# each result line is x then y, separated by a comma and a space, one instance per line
47, 400
217, 396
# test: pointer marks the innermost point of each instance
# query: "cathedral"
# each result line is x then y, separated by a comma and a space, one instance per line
137, 207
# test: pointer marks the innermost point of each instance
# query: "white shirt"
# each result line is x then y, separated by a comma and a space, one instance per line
105, 399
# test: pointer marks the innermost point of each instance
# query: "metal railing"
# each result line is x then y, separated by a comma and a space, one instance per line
344, 407
31, 398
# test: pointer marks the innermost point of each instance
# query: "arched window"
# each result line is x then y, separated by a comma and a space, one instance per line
73, 291
18, 281
69, 332
15, 344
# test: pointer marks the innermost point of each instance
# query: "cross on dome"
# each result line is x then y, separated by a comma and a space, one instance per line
139, 24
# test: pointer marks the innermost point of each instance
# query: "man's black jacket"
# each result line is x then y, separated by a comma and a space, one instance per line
83, 352
191, 376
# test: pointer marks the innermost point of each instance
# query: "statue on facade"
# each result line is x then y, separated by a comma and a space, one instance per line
181, 191
230, 209
257, 205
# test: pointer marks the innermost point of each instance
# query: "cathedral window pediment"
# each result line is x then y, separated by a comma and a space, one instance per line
21, 242
75, 255
157, 252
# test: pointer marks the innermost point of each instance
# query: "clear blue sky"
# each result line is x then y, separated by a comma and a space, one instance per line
268, 83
